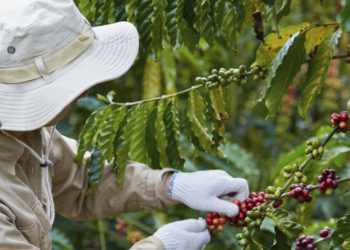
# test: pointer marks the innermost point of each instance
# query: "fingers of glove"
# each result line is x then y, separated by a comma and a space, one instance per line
228, 185
192, 225
222, 207
201, 238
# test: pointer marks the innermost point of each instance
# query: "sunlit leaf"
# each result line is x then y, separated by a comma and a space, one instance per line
285, 222
317, 72
316, 35
103, 98
130, 9
282, 71
151, 81
107, 12
169, 71
87, 8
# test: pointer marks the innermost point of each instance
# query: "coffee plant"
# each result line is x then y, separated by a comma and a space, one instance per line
148, 131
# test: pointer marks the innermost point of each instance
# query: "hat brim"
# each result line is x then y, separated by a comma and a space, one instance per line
108, 57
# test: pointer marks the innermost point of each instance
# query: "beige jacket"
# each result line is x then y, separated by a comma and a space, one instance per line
23, 222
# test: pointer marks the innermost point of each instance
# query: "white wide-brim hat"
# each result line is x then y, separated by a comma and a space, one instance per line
48, 61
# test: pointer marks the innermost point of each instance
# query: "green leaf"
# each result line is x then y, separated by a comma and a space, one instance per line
173, 12
217, 9
186, 126
218, 104
158, 20
160, 135
122, 145
188, 33
273, 43
103, 98
203, 22
285, 10
254, 245
171, 121
230, 29
341, 233
138, 143
144, 13
198, 135
120, 10
282, 71
111, 95
344, 16
150, 139
285, 222
86, 136
269, 2
130, 9
317, 73
346, 244
169, 71
107, 12
94, 172
271, 18
59, 240
240, 16
87, 8
151, 81
281, 241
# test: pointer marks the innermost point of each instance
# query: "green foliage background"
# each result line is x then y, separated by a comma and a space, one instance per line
257, 149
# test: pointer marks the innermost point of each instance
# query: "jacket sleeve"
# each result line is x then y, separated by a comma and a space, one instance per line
142, 189
149, 243
11, 237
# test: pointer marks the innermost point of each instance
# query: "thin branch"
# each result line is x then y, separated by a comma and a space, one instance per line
322, 240
334, 57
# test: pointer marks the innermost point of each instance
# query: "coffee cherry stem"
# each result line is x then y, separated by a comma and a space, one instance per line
322, 240
311, 188
334, 57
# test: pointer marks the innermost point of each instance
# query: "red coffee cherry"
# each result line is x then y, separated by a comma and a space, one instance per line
324, 233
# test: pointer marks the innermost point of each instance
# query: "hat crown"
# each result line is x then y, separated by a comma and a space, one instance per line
32, 28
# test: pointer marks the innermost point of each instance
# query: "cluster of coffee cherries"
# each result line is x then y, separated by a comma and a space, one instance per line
341, 120
313, 53
305, 243
244, 237
290, 170
224, 77
259, 72
325, 232
300, 193
215, 222
326, 181
273, 192
314, 147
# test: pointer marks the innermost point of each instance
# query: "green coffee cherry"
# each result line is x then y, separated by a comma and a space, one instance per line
214, 71
296, 179
248, 220
310, 148
247, 235
299, 174
262, 74
256, 78
236, 73
288, 169
257, 214
320, 150
304, 179
243, 242
239, 236
271, 189
236, 80
264, 69
250, 214
243, 81
258, 222
252, 224
272, 197
309, 143
256, 70
278, 194
199, 80
242, 68
263, 206
222, 73
245, 229
315, 152
316, 143
287, 175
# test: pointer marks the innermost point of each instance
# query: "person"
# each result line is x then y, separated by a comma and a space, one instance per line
50, 56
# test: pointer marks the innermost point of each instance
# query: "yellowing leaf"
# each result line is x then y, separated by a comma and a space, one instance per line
273, 43
316, 35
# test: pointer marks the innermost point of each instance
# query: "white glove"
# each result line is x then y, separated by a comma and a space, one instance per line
208, 191
187, 234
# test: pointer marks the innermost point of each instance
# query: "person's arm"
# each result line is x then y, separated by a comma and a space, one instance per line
10, 236
143, 188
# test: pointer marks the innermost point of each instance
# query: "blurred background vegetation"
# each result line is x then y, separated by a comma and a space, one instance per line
255, 145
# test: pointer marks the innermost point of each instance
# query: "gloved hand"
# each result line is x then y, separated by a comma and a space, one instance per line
187, 234
209, 191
